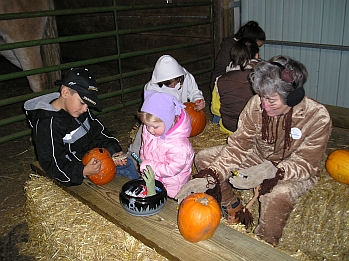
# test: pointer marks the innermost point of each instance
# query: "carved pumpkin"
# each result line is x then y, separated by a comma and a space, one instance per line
337, 165
198, 119
198, 217
108, 168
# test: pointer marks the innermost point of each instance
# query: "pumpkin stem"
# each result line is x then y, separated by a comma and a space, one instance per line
204, 201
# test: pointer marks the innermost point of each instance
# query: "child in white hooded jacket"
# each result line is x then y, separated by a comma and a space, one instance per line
170, 77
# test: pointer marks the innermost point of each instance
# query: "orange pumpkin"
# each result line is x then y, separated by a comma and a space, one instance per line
108, 168
198, 119
198, 217
337, 165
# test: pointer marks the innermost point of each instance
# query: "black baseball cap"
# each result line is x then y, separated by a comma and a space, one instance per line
82, 81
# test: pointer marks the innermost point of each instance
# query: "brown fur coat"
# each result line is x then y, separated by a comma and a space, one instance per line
301, 161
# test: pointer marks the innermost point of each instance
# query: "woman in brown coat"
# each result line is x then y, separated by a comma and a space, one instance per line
278, 147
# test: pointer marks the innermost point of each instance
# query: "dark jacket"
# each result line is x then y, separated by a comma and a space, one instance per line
61, 140
223, 59
234, 91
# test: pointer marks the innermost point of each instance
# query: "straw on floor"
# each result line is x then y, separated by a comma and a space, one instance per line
62, 228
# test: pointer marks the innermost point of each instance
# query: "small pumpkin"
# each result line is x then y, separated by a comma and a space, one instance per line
198, 217
198, 119
337, 165
108, 168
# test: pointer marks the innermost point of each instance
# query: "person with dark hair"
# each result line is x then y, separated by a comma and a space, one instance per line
233, 89
64, 129
276, 150
250, 30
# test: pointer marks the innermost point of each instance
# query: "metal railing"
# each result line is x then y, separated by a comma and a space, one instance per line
119, 56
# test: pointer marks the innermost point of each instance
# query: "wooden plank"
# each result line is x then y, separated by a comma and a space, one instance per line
160, 231
339, 116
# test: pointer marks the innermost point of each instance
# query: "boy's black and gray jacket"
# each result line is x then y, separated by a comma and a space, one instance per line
61, 140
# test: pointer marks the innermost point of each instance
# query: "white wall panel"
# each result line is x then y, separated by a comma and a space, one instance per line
333, 21
343, 85
254, 9
310, 58
328, 76
323, 22
311, 21
273, 19
291, 24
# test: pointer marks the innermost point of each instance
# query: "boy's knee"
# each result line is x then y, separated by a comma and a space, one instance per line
128, 171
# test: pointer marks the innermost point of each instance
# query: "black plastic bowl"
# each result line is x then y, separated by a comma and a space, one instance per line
138, 206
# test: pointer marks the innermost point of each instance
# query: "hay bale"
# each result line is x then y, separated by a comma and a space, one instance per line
63, 228
318, 228
211, 136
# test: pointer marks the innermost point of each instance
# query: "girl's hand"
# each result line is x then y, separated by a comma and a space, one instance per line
199, 105
120, 159
92, 167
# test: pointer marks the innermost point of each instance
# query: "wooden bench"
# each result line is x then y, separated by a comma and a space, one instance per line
339, 116
160, 231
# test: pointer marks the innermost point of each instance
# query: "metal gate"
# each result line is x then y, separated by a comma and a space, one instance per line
128, 44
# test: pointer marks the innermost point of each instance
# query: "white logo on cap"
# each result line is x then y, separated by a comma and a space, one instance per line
71, 83
92, 88
89, 100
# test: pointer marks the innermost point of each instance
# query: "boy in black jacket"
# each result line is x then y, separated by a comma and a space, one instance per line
64, 129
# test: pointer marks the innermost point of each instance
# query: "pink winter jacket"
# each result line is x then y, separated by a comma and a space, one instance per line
171, 157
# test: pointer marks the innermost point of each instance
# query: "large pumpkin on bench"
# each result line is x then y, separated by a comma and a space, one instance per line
108, 168
198, 217
337, 165
198, 119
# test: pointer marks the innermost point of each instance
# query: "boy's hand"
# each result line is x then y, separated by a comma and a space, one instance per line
92, 167
199, 105
149, 179
119, 158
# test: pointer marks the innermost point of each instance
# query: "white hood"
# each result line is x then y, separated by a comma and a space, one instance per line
166, 68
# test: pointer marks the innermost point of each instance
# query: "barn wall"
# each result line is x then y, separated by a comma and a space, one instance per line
314, 32
137, 42
120, 43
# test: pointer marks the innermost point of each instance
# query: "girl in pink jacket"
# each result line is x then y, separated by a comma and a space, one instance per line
165, 145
